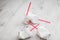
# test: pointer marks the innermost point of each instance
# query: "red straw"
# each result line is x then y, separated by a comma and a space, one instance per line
28, 8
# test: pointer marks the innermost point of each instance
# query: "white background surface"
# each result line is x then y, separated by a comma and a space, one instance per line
13, 13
